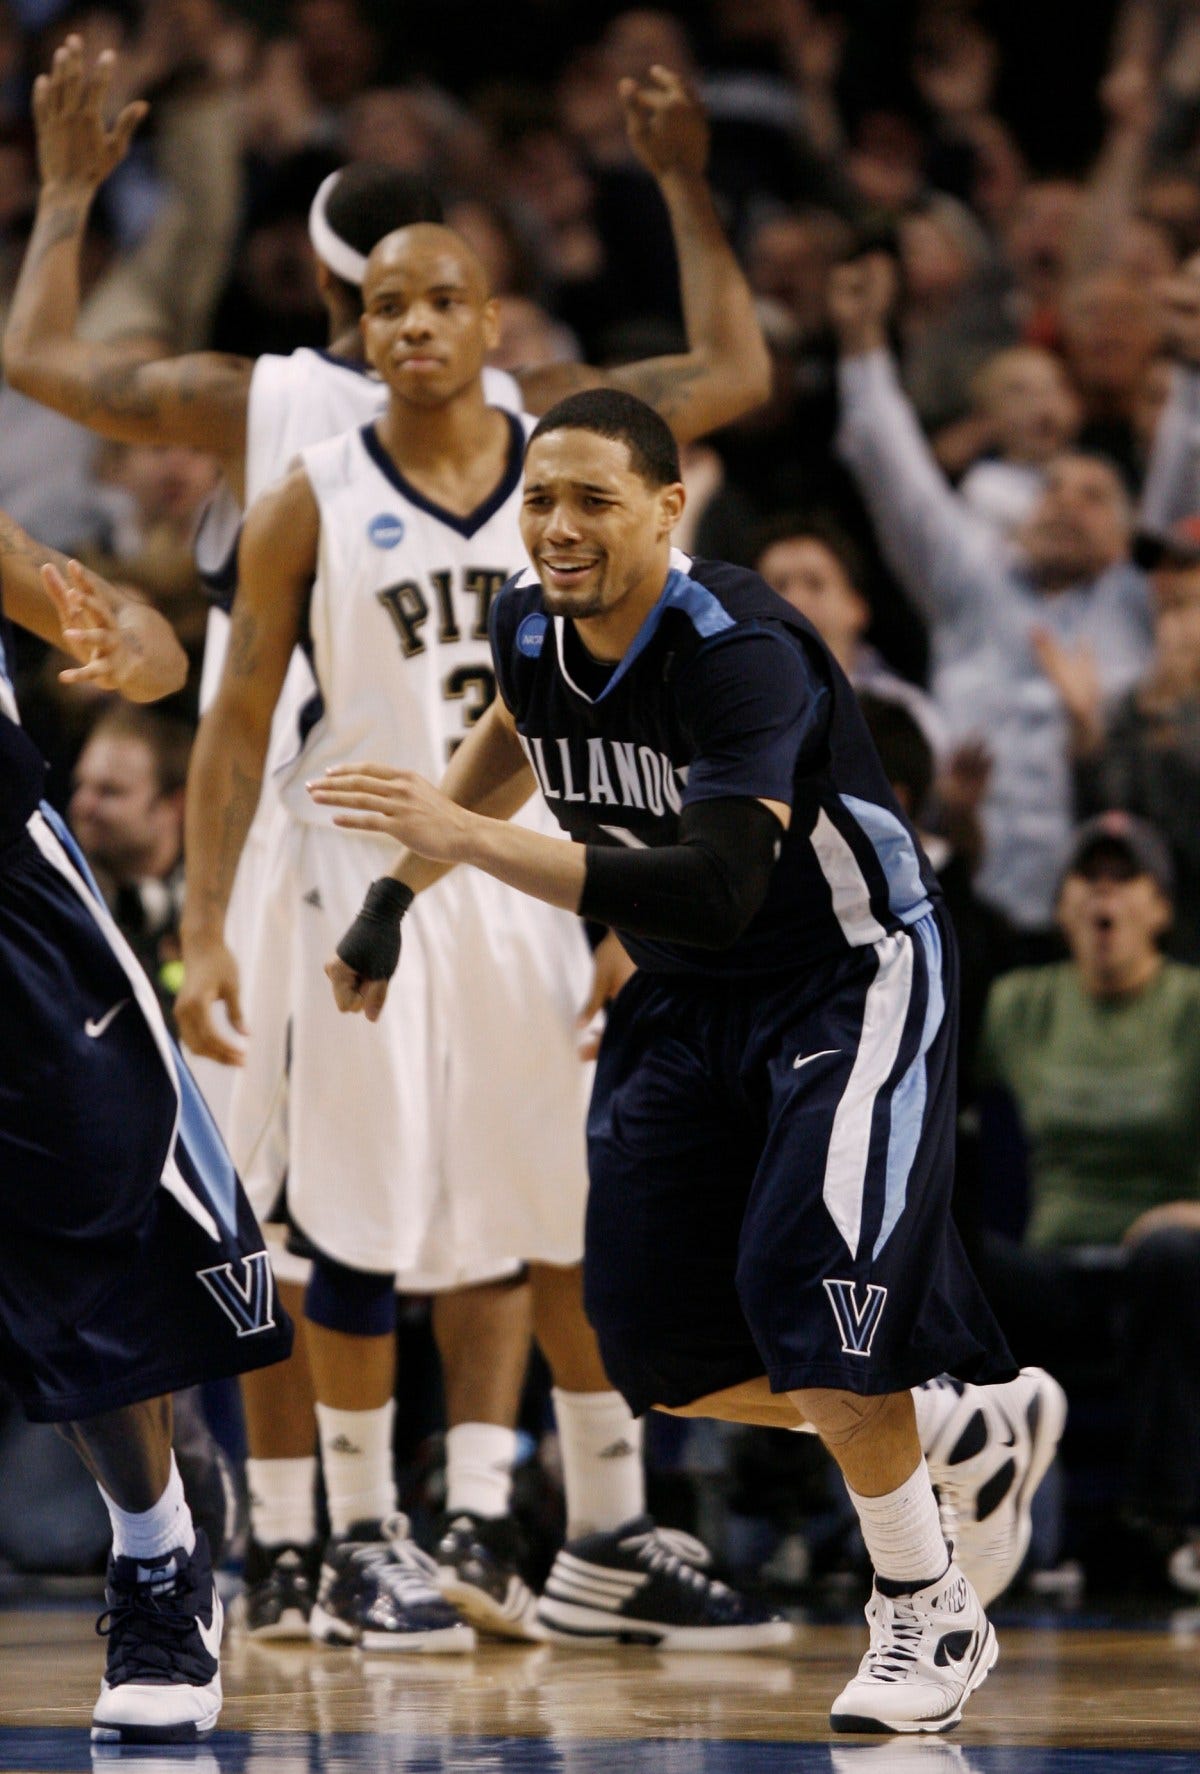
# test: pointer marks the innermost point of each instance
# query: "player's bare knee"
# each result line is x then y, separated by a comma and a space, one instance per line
840, 1417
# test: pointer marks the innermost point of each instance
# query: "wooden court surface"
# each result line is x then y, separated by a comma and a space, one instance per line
1125, 1699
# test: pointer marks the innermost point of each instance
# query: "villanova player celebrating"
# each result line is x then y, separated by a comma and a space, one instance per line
770, 1135
132, 1266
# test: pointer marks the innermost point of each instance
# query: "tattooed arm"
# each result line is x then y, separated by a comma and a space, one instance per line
276, 563
727, 369
118, 642
124, 391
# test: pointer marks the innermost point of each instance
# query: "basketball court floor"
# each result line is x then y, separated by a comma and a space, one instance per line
1070, 1695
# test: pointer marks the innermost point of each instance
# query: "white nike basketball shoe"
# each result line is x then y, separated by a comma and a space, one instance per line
930, 1648
988, 1449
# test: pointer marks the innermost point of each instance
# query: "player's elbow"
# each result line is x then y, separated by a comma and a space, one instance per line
725, 907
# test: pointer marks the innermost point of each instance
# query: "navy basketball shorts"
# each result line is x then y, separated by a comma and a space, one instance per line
115, 1286
771, 1167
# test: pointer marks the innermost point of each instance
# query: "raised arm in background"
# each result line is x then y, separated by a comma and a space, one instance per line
727, 369
127, 391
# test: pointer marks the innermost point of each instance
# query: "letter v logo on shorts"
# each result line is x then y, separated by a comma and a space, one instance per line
249, 1303
856, 1323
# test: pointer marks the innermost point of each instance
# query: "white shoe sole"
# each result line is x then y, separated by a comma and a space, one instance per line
861, 1723
290, 1628
566, 1623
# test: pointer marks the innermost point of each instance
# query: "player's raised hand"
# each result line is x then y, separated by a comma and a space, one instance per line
76, 145
665, 122
395, 803
210, 977
119, 643
861, 294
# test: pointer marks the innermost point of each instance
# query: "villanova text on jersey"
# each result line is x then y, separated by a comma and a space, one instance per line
725, 692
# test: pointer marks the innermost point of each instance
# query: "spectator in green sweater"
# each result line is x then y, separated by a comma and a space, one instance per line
1101, 1057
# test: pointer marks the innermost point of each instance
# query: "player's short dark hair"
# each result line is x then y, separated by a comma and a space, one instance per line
904, 751
653, 452
371, 199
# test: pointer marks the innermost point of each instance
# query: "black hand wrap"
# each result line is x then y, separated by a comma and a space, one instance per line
371, 946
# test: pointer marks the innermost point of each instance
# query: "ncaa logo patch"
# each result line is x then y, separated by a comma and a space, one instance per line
386, 530
531, 636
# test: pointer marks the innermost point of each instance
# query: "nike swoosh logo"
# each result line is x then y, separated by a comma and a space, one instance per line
210, 1635
95, 1026
807, 1059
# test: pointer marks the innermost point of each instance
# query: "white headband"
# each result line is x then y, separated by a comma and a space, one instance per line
329, 247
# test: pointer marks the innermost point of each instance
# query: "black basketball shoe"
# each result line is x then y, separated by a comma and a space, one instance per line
646, 1585
379, 1590
162, 1681
280, 1589
479, 1570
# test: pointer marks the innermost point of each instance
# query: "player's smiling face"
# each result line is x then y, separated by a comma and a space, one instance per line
597, 532
427, 321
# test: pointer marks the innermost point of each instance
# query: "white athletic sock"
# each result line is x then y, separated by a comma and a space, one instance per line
283, 1504
150, 1533
601, 1444
356, 1453
479, 1465
902, 1532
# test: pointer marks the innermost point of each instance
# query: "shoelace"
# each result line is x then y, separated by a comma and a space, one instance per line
895, 1660
676, 1554
398, 1563
149, 1630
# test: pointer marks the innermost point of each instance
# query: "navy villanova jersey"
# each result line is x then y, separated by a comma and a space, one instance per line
725, 692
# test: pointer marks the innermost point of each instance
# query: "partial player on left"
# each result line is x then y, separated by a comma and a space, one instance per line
131, 1265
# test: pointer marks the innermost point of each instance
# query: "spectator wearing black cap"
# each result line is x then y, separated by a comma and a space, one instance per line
1145, 757
1101, 1056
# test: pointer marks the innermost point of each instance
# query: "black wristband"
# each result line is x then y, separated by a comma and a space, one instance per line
371, 946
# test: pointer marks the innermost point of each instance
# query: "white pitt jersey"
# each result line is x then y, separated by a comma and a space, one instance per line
294, 401
399, 611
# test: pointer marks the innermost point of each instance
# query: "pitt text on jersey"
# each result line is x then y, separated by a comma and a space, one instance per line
462, 613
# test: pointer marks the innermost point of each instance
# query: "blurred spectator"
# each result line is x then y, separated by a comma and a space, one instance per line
1037, 244
1067, 571
1101, 1055
126, 812
1110, 338
271, 302
153, 497
954, 313
1025, 412
529, 336
815, 567
1145, 757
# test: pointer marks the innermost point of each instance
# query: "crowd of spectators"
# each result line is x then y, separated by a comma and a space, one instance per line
973, 232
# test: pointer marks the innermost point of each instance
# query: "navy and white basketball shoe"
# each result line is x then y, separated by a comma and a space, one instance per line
479, 1570
162, 1680
988, 1449
930, 1648
280, 1589
379, 1590
645, 1585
